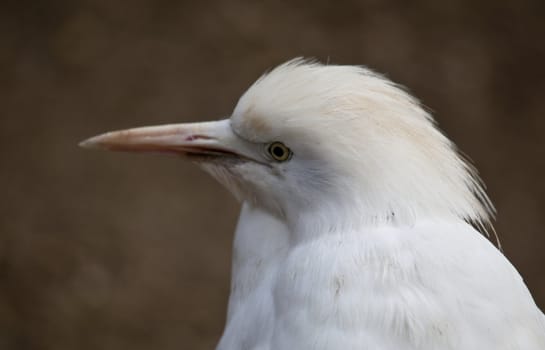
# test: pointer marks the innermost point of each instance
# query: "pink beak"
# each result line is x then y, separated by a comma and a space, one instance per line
192, 139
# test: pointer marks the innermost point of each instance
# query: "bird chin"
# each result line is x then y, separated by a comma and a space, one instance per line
221, 169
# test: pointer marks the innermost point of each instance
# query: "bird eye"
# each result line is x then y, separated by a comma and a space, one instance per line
279, 151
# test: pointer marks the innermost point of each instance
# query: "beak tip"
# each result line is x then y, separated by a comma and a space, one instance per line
84, 144
90, 143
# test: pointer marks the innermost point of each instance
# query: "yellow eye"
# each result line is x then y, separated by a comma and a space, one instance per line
279, 151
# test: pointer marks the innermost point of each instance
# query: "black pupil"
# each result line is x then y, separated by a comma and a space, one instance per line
278, 151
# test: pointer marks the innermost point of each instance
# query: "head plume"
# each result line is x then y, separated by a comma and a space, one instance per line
380, 149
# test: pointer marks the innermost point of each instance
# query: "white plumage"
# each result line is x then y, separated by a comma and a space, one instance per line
355, 228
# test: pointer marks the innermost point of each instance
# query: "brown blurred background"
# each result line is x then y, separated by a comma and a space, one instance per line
117, 251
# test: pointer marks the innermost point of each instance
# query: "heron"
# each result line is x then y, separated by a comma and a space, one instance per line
361, 224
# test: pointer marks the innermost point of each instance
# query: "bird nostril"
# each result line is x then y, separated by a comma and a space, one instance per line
197, 137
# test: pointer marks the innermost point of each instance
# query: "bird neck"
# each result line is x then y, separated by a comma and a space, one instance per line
315, 221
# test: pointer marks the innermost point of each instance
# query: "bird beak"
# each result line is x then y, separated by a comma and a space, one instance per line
207, 139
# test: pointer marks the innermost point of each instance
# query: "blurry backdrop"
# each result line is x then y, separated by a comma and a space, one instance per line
118, 251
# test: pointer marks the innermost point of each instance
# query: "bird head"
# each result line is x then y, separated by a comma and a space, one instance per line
340, 143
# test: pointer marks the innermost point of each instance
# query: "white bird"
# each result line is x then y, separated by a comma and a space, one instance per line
355, 230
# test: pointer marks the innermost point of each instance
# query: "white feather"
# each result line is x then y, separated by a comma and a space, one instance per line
361, 240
